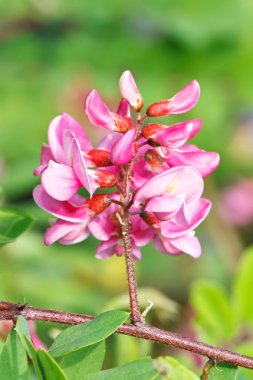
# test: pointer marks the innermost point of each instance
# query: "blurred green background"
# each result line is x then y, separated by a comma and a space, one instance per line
52, 52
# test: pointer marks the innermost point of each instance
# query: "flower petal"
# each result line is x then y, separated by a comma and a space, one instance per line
187, 244
56, 132
182, 102
123, 150
81, 169
59, 229
61, 209
124, 108
107, 248
97, 112
60, 182
204, 162
179, 180
177, 134
129, 90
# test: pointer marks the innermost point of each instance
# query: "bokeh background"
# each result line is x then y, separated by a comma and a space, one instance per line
52, 52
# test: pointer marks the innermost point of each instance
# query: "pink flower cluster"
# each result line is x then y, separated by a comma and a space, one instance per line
152, 171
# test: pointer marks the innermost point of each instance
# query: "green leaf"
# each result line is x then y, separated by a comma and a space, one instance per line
23, 331
49, 368
213, 311
12, 224
22, 328
33, 355
171, 369
222, 371
13, 359
243, 302
78, 364
1, 345
137, 370
86, 334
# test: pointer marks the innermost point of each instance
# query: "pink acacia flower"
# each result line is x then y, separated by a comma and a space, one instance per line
182, 102
68, 161
171, 203
156, 176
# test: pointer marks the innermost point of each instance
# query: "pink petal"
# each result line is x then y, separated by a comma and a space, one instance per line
97, 112
178, 134
103, 226
172, 229
185, 99
129, 90
142, 234
81, 169
58, 230
182, 102
163, 245
204, 162
136, 252
124, 108
46, 154
165, 206
123, 150
60, 182
179, 180
107, 248
61, 209
109, 140
34, 337
40, 169
187, 244
56, 132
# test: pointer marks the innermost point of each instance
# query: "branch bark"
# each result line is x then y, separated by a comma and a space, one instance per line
10, 311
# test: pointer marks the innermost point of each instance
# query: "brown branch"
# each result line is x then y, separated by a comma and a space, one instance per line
10, 310
132, 284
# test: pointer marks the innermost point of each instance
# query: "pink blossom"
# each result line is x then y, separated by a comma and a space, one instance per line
236, 203
182, 102
156, 177
171, 203
129, 90
205, 162
172, 136
98, 114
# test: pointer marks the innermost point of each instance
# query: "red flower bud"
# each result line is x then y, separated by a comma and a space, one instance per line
150, 218
98, 203
100, 157
151, 129
105, 178
157, 109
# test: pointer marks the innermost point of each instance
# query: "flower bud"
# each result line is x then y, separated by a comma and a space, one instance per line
150, 218
157, 109
151, 130
129, 91
100, 157
98, 203
105, 178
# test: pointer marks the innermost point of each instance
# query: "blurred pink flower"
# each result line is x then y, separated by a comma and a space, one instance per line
236, 203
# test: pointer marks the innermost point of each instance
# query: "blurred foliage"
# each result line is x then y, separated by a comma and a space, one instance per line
52, 53
226, 320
